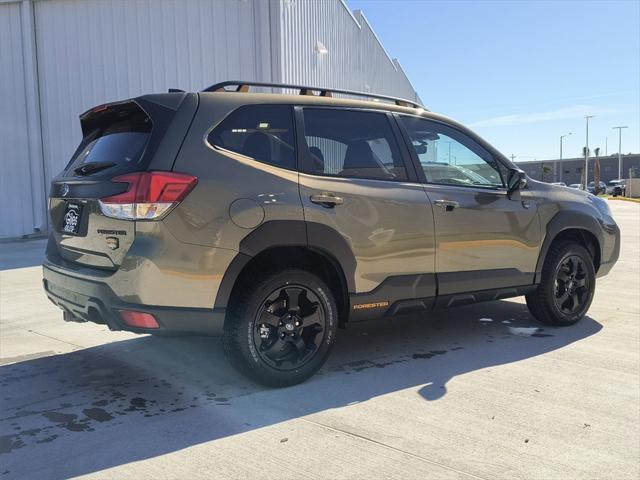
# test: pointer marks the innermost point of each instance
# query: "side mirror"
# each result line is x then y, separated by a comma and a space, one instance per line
517, 180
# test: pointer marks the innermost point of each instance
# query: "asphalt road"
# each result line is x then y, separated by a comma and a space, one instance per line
476, 392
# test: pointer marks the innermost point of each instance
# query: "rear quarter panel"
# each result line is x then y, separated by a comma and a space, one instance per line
256, 192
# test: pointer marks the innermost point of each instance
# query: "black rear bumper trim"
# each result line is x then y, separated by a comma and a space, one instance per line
96, 302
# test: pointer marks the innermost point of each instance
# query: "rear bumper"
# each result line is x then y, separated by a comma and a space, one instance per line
95, 301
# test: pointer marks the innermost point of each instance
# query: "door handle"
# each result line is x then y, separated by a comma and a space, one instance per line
448, 205
326, 199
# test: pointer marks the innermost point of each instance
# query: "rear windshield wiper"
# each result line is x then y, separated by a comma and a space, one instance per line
89, 168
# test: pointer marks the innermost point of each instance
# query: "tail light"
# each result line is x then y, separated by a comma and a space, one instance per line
139, 319
150, 196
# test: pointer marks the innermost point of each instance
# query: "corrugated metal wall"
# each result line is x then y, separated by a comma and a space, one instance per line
15, 171
93, 51
352, 58
116, 49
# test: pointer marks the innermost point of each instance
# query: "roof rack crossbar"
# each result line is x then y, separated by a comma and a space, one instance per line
242, 86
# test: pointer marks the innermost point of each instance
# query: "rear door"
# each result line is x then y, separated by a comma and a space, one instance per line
484, 239
118, 138
355, 178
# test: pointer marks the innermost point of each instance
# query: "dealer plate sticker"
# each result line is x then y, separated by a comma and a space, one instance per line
71, 219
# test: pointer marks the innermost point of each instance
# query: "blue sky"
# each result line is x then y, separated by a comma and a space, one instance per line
521, 73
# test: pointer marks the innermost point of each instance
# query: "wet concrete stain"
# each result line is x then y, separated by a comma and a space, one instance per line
47, 439
429, 354
361, 365
22, 413
124, 391
10, 442
136, 403
68, 421
97, 414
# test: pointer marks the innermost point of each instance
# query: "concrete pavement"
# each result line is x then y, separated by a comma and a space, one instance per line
475, 392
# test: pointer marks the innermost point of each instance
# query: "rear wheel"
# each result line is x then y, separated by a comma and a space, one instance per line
567, 286
281, 327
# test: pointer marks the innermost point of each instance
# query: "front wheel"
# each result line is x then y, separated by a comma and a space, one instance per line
567, 286
281, 327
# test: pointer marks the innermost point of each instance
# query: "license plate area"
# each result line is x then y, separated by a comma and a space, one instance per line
72, 219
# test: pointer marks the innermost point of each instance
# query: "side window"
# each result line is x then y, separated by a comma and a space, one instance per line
349, 143
449, 157
262, 132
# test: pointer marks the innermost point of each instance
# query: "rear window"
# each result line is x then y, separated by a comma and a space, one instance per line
262, 132
117, 140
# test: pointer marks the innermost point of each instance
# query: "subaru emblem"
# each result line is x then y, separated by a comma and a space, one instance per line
64, 190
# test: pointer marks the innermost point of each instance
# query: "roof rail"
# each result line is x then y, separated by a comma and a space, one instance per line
242, 86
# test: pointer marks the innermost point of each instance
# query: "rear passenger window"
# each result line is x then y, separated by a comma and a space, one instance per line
262, 132
348, 143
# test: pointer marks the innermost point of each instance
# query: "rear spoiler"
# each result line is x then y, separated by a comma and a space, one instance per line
156, 106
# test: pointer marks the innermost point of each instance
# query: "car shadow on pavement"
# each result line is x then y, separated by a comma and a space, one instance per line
96, 408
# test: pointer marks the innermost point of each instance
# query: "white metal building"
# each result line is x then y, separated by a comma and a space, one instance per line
60, 57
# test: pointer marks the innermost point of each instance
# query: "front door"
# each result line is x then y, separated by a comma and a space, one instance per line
357, 179
484, 239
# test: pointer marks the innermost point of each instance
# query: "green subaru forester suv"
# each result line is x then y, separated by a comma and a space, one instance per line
274, 219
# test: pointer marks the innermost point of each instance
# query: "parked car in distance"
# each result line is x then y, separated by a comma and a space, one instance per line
602, 187
560, 184
616, 187
273, 220
576, 185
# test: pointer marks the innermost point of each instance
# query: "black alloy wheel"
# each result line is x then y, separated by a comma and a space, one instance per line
281, 326
571, 285
289, 327
567, 285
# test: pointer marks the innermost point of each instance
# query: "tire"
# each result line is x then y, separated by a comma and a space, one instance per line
281, 327
567, 286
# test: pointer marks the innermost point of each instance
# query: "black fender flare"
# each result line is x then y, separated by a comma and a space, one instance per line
566, 220
289, 233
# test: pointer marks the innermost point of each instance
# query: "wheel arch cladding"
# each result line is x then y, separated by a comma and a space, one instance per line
296, 243
572, 225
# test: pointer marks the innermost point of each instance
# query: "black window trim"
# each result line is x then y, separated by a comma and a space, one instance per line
478, 149
303, 148
226, 151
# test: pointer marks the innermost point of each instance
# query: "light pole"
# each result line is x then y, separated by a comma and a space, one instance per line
586, 155
619, 150
561, 137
